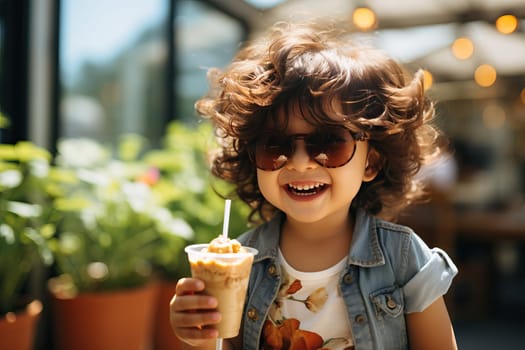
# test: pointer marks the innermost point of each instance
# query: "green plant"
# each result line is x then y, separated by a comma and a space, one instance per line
186, 187
26, 218
120, 214
112, 220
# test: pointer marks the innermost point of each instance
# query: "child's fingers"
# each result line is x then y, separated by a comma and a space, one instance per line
189, 285
195, 326
192, 302
187, 299
192, 314
198, 320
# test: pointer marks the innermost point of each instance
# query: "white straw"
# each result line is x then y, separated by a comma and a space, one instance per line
227, 206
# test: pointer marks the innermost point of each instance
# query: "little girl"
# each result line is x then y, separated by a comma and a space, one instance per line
323, 138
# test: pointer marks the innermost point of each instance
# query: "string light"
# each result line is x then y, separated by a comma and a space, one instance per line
485, 75
364, 18
428, 79
463, 48
507, 24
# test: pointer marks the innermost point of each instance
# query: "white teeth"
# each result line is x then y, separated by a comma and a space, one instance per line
305, 187
306, 190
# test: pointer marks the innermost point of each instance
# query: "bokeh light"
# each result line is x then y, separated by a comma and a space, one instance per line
97, 270
428, 79
463, 48
485, 75
364, 18
507, 24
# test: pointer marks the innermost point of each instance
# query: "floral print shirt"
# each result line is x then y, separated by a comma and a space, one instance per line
309, 312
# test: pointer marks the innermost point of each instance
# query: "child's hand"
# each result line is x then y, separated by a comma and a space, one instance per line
192, 314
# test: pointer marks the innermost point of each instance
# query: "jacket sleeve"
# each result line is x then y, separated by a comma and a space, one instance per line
433, 272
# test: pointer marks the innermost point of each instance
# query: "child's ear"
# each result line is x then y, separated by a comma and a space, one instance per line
374, 163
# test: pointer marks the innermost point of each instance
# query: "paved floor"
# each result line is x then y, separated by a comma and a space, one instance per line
494, 313
490, 334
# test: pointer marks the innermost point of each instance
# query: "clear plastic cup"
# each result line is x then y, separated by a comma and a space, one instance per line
226, 277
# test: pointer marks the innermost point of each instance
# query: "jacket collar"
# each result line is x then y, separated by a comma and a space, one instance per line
365, 251
265, 238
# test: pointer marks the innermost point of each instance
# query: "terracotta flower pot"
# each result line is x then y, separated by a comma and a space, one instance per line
163, 336
17, 330
106, 320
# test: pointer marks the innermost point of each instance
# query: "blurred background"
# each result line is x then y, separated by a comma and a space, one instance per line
100, 69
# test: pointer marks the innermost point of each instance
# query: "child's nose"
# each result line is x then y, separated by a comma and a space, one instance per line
300, 159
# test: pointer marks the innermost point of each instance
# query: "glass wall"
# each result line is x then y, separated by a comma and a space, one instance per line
115, 64
204, 38
113, 68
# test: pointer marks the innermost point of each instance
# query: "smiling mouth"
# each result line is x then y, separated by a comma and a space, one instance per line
306, 190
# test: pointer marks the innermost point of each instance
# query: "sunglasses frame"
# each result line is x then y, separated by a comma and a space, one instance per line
356, 137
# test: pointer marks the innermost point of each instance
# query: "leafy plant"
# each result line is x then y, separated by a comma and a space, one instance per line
120, 215
186, 187
112, 221
26, 218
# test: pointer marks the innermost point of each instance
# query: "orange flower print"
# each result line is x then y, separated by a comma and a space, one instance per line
272, 338
294, 287
305, 340
282, 333
287, 329
287, 286
288, 336
315, 301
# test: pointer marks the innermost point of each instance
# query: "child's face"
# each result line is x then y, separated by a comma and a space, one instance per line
308, 192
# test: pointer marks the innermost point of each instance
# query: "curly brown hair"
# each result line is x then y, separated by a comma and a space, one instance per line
299, 67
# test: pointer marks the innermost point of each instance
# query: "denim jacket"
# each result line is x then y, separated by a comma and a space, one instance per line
390, 272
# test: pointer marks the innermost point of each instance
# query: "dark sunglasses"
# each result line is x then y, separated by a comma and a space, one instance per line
330, 147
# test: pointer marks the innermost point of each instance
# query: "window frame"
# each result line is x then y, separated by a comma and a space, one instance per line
14, 85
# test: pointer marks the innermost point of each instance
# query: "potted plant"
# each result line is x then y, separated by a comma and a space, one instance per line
26, 222
111, 225
185, 186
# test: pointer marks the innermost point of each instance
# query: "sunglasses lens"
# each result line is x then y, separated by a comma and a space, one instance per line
272, 151
331, 148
